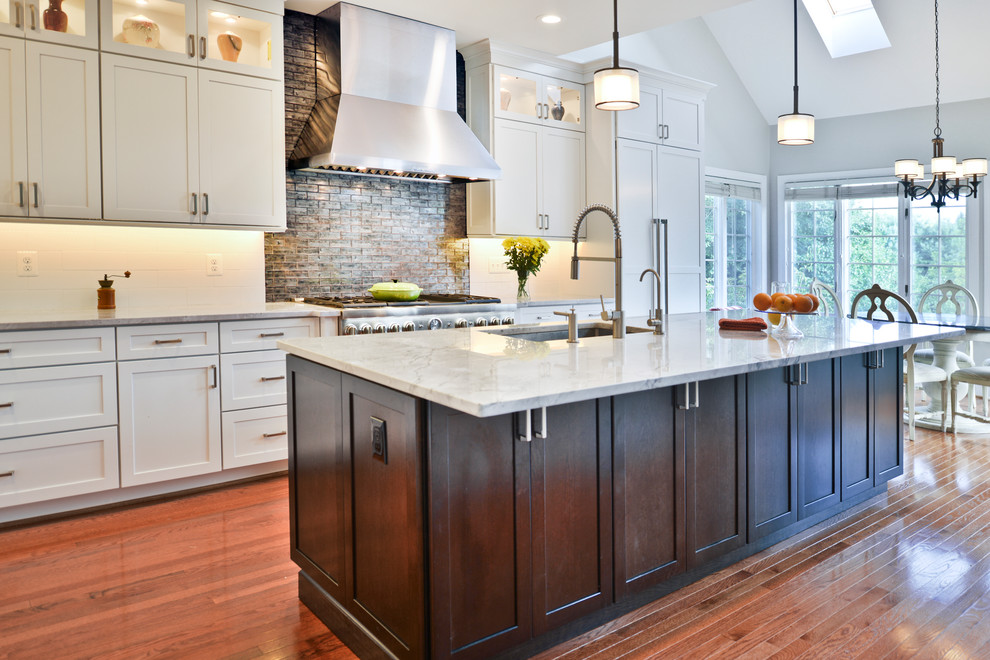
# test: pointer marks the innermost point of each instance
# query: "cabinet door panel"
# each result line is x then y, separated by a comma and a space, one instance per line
857, 435
517, 201
169, 419
563, 180
176, 30
683, 117
13, 128
648, 490
888, 401
150, 128
481, 568
241, 149
259, 51
572, 532
386, 589
636, 174
772, 435
642, 123
681, 201
716, 470
64, 132
818, 438
319, 475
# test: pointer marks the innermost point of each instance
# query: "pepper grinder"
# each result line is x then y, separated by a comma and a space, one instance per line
106, 295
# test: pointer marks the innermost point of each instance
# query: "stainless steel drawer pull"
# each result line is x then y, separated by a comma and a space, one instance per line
213, 368
271, 334
195, 208
265, 379
35, 186
274, 435
20, 191
9, 404
168, 341
9, 473
206, 203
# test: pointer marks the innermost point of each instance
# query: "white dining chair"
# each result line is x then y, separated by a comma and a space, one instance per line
826, 297
953, 299
915, 374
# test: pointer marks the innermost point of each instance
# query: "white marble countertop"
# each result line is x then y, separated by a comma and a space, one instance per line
563, 303
80, 318
486, 374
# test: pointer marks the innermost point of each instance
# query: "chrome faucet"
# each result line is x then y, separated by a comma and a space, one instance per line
655, 322
617, 315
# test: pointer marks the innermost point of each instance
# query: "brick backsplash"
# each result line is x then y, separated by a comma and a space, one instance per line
346, 232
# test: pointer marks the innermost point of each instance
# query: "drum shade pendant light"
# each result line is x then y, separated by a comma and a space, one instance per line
796, 128
950, 180
616, 88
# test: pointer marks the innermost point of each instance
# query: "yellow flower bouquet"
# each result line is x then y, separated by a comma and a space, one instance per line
524, 256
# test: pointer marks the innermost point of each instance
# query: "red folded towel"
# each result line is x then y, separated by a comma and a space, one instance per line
754, 323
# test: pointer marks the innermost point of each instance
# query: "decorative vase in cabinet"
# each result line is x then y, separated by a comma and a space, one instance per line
230, 46
54, 18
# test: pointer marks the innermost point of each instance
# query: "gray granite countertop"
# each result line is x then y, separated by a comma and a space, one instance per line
80, 318
483, 373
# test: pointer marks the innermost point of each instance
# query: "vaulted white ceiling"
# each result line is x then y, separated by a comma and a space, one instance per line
756, 37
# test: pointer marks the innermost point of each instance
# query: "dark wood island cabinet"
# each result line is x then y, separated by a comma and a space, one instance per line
422, 531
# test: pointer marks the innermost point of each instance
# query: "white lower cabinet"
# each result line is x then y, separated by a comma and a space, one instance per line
52, 399
257, 435
251, 380
169, 418
45, 467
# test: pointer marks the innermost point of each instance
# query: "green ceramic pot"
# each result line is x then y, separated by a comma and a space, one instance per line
395, 291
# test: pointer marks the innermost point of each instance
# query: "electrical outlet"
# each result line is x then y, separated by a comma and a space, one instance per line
497, 265
379, 440
214, 264
27, 264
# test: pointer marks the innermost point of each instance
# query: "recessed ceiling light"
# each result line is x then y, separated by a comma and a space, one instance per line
549, 19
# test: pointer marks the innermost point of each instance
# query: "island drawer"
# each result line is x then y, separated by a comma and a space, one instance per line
262, 334
42, 348
51, 399
254, 436
137, 342
250, 380
45, 467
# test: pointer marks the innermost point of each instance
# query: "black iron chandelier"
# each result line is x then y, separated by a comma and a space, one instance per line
950, 179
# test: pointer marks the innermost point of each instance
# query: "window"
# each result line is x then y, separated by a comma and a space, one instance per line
731, 209
851, 234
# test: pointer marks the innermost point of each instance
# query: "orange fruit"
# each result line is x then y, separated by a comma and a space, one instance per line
762, 302
776, 294
802, 303
774, 318
814, 300
783, 303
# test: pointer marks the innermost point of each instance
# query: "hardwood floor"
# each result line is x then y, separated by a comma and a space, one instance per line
208, 576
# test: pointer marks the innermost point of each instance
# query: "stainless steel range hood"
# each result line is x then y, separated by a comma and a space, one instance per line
386, 100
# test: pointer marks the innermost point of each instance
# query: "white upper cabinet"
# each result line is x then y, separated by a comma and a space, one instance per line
538, 99
216, 35
241, 150
69, 22
49, 131
150, 151
669, 117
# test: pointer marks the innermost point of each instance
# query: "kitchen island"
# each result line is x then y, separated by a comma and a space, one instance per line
471, 493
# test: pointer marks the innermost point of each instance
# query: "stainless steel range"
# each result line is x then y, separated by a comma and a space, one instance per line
363, 315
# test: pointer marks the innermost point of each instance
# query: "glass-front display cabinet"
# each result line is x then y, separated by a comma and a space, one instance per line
528, 97
213, 34
70, 22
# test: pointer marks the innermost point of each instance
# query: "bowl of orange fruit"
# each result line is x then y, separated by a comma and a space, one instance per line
780, 306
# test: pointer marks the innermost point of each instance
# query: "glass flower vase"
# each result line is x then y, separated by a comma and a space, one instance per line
522, 292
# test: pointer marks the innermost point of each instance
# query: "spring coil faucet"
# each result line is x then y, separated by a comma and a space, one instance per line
616, 316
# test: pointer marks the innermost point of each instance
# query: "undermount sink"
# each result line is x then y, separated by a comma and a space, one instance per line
555, 332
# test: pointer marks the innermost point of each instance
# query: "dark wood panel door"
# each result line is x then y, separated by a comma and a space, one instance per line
715, 467
319, 478
648, 490
386, 588
572, 514
818, 420
480, 556
771, 416
856, 429
887, 401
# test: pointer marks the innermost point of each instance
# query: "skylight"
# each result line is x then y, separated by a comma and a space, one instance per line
847, 27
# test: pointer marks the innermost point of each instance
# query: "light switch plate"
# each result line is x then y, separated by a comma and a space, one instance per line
497, 265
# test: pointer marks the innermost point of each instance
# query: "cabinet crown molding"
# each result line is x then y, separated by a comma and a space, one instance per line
487, 51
